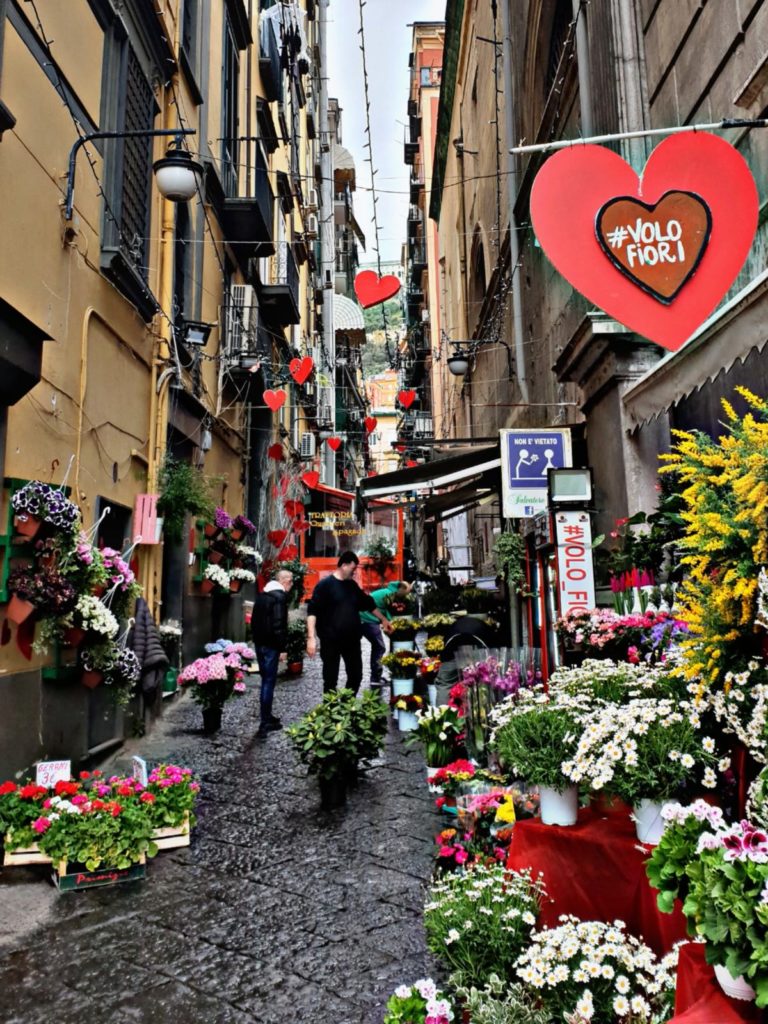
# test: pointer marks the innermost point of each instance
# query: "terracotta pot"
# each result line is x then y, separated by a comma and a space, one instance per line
18, 609
26, 525
92, 679
73, 636
295, 667
210, 530
214, 557
100, 590
206, 586
234, 585
237, 534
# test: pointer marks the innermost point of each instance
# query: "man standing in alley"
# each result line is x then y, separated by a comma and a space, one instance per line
269, 628
333, 617
383, 598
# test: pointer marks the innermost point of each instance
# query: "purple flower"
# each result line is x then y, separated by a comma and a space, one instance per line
222, 519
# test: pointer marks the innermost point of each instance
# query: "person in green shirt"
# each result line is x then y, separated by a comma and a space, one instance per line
371, 628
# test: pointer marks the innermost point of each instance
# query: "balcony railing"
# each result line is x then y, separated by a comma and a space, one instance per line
279, 286
269, 61
248, 220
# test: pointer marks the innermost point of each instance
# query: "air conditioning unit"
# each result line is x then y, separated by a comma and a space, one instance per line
310, 225
425, 316
311, 203
308, 445
242, 321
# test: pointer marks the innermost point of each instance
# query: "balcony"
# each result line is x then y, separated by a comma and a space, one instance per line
279, 287
248, 220
410, 152
269, 62
417, 253
417, 184
247, 341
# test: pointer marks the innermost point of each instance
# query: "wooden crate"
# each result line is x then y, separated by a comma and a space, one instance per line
75, 881
172, 838
27, 855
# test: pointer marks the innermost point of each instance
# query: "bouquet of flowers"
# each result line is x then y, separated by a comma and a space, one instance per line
667, 868
43, 501
217, 678
439, 730
402, 664
585, 970
435, 645
428, 669
450, 777
452, 849
420, 1003
216, 574
478, 923
403, 629
407, 702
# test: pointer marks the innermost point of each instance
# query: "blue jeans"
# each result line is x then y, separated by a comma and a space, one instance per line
268, 659
372, 633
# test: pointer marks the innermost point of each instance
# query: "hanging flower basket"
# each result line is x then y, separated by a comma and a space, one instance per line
73, 636
18, 609
92, 679
27, 525
237, 534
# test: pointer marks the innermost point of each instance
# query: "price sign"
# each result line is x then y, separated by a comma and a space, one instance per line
139, 769
48, 773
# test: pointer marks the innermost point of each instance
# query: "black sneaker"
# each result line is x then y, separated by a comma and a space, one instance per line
273, 724
262, 732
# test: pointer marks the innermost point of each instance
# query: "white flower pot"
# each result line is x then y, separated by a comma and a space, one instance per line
432, 694
431, 772
736, 988
402, 687
402, 645
649, 823
406, 721
559, 808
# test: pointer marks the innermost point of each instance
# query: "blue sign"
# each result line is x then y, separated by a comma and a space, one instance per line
526, 458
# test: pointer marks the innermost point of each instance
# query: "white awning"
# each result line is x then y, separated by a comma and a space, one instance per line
429, 475
347, 315
730, 334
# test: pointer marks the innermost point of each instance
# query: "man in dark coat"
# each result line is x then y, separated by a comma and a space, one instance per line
269, 627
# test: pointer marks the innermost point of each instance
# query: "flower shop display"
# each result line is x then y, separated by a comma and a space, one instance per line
215, 576
403, 667
216, 678
37, 503
336, 737
403, 633
420, 1003
478, 923
500, 1001
439, 731
607, 681
406, 705
603, 633
589, 970
503, 673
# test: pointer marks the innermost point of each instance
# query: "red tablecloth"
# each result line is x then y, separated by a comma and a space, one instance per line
595, 871
698, 997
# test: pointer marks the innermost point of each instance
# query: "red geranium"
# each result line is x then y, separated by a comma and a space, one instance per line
8, 787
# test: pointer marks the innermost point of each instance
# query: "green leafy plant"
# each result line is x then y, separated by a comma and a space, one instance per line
509, 556
339, 734
184, 491
500, 1002
297, 641
299, 571
97, 832
667, 868
438, 732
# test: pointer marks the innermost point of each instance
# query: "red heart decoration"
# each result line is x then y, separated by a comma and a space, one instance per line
370, 424
289, 552
399, 447
372, 473
275, 451
578, 185
275, 399
410, 463
311, 478
293, 508
300, 525
371, 290
406, 398
277, 537
300, 369
334, 443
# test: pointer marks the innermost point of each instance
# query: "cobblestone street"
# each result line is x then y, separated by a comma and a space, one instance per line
276, 913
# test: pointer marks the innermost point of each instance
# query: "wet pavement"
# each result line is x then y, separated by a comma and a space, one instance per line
277, 913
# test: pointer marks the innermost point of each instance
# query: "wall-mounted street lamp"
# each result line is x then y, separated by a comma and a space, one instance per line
178, 175
458, 363
194, 332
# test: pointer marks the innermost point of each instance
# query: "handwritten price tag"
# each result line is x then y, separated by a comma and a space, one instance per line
50, 772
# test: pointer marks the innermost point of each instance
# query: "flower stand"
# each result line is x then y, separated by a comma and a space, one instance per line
173, 837
20, 857
69, 878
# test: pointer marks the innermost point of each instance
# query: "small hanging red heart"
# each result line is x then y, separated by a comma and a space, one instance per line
405, 397
410, 463
275, 451
311, 478
289, 552
293, 508
334, 443
275, 399
370, 424
371, 290
277, 537
399, 447
300, 369
300, 525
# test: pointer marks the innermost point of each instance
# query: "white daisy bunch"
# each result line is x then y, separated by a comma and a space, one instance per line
742, 707
242, 574
646, 748
217, 575
606, 680
477, 923
593, 970
94, 616
757, 800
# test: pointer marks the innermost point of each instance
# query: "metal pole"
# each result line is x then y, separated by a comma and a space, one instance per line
727, 124
582, 61
327, 238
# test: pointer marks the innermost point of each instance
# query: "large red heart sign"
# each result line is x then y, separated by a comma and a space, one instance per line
371, 290
370, 424
311, 478
406, 397
634, 246
275, 399
300, 369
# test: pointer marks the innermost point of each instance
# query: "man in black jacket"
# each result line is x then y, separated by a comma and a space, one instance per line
333, 616
269, 628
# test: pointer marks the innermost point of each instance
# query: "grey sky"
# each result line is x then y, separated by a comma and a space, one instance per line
387, 43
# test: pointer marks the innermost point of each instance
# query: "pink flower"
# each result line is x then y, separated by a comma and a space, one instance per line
41, 825
461, 855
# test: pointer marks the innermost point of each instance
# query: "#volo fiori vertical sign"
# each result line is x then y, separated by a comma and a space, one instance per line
575, 573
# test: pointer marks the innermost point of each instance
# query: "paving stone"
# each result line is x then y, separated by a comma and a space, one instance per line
278, 912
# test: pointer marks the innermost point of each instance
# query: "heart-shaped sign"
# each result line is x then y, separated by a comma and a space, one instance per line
300, 369
406, 398
334, 443
293, 508
277, 537
275, 399
311, 478
300, 525
370, 424
634, 246
275, 451
410, 463
399, 447
371, 290
289, 552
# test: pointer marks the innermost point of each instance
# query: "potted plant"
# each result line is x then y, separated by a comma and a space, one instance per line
173, 791
296, 646
403, 667
403, 633
450, 779
115, 666
237, 577
248, 557
42, 589
438, 624
439, 731
420, 1003
382, 554
184, 491
214, 680
242, 527
20, 805
37, 503
122, 587
406, 705
217, 578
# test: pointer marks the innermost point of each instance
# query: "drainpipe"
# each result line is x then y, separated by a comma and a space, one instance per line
512, 190
327, 254
582, 60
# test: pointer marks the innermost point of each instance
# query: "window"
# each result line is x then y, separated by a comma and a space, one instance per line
190, 44
229, 121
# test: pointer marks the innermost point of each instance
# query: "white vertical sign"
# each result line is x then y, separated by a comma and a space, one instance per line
575, 575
